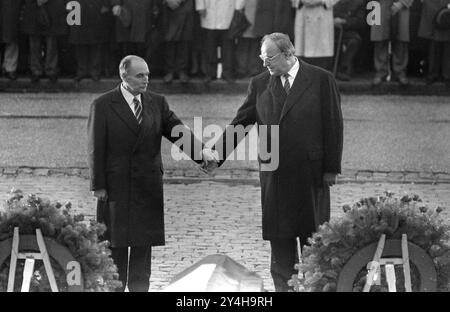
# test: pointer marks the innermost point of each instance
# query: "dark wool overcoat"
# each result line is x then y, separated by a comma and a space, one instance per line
125, 159
294, 200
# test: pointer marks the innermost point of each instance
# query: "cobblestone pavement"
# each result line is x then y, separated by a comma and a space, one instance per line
209, 217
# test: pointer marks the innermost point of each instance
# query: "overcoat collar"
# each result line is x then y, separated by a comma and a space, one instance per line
300, 85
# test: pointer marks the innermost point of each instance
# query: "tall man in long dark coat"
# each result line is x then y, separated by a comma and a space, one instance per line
125, 129
305, 105
9, 36
89, 37
33, 25
177, 29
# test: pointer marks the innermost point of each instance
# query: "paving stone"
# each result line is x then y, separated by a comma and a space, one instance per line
221, 218
10, 171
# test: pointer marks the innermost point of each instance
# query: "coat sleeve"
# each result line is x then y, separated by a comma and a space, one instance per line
245, 116
174, 130
332, 126
97, 146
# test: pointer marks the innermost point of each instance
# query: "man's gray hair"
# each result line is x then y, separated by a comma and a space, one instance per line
126, 62
282, 41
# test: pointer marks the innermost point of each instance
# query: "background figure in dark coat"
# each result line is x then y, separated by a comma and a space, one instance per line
247, 50
439, 41
33, 26
124, 151
295, 195
141, 37
394, 28
177, 29
89, 37
9, 36
274, 16
351, 15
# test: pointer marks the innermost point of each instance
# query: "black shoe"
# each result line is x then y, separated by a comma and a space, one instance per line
168, 78
207, 80
342, 77
53, 78
431, 79
377, 81
403, 80
184, 78
228, 79
35, 78
11, 75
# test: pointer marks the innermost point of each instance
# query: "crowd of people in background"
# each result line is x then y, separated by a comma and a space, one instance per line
180, 38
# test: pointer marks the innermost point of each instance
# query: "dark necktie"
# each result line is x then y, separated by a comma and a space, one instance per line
287, 85
137, 110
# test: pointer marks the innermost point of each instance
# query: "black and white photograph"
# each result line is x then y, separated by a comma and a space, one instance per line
239, 148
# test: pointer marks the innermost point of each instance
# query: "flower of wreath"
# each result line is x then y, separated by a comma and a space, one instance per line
331, 247
55, 221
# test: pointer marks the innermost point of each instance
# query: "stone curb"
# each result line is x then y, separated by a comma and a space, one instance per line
244, 175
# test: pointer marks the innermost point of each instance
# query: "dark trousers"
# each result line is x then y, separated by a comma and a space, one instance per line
213, 39
136, 270
351, 42
247, 57
177, 56
284, 256
439, 59
89, 59
399, 58
51, 55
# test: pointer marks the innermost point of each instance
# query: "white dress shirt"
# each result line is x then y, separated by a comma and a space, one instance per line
292, 73
129, 98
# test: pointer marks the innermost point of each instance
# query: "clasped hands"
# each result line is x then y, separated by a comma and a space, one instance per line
210, 160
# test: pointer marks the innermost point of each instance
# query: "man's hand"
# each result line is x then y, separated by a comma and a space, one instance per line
41, 2
210, 160
101, 195
116, 10
173, 4
339, 21
329, 179
202, 13
396, 7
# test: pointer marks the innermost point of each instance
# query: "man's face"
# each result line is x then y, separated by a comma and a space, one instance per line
137, 76
275, 61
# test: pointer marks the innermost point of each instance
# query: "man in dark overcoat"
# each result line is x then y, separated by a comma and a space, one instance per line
439, 41
89, 37
138, 37
9, 36
177, 30
36, 27
305, 106
274, 16
125, 129
394, 28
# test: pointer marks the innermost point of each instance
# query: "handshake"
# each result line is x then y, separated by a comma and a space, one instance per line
210, 160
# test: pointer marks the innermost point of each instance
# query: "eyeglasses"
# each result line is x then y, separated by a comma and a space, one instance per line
267, 59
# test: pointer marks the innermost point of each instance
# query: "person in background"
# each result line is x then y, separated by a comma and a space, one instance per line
314, 32
215, 19
351, 15
177, 28
394, 28
89, 37
44, 20
439, 42
274, 16
247, 50
9, 36
137, 37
